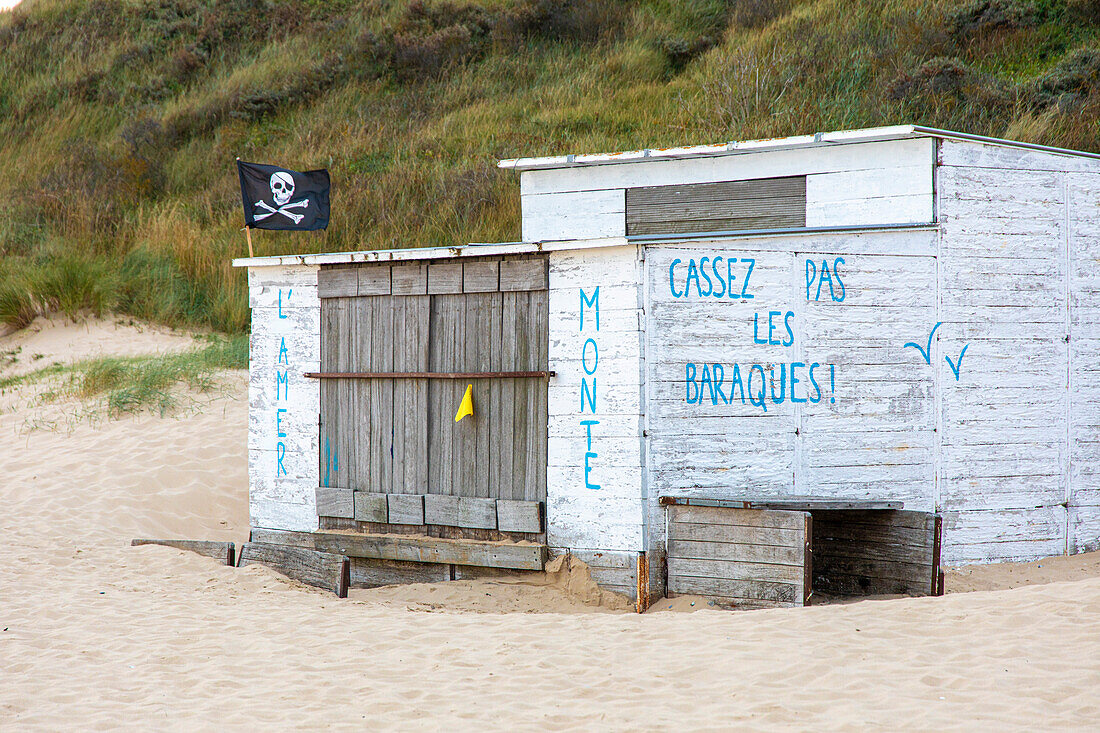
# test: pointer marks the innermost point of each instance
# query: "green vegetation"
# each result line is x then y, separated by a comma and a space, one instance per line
120, 119
135, 384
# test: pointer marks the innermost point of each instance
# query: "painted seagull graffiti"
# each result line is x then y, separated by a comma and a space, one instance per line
956, 364
926, 352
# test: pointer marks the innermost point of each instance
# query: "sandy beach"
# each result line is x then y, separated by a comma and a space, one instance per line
95, 634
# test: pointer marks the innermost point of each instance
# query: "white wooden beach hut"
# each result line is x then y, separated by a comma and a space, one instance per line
743, 370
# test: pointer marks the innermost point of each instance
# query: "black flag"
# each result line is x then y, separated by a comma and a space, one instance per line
277, 198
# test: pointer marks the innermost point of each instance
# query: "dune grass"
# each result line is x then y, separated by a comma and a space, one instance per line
120, 119
136, 384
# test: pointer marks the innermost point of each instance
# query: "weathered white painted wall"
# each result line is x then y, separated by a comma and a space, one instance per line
720, 418
1019, 424
1003, 438
284, 405
886, 182
1083, 198
595, 477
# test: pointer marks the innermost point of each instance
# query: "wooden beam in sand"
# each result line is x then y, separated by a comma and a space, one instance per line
320, 569
224, 551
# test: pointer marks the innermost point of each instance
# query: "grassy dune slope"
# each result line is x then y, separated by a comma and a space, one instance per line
120, 119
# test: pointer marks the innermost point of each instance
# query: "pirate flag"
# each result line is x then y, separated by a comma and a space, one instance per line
277, 198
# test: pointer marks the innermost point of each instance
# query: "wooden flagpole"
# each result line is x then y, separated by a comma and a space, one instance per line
247, 229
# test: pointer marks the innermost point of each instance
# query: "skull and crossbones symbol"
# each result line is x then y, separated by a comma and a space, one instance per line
282, 188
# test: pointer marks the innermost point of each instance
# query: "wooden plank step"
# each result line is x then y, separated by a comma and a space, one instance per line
790, 503
224, 551
519, 516
460, 511
415, 548
317, 568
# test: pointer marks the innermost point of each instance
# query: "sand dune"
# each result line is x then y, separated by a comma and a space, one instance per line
96, 634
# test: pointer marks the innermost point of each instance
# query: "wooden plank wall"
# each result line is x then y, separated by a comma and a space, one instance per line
868, 433
590, 287
1083, 485
888, 182
282, 403
746, 558
398, 436
875, 553
1017, 282
762, 203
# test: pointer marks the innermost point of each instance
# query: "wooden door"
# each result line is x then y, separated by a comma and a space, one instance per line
398, 435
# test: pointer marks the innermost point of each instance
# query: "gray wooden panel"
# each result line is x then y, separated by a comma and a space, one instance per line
381, 412
368, 573
405, 508
393, 436
739, 517
733, 570
525, 274
398, 457
797, 504
224, 551
750, 590
370, 507
728, 205
875, 552
445, 278
337, 439
872, 533
733, 533
738, 556
374, 280
441, 400
499, 480
435, 550
360, 396
924, 521
321, 569
540, 334
717, 549
870, 550
519, 516
472, 479
334, 502
327, 388
337, 282
413, 548
462, 433
523, 486
480, 277
409, 279
460, 511
510, 419
414, 404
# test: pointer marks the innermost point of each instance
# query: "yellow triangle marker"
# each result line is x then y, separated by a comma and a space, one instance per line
467, 405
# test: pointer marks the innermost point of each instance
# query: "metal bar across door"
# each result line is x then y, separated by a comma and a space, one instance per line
428, 375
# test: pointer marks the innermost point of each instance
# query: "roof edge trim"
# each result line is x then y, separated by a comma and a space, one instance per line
821, 139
